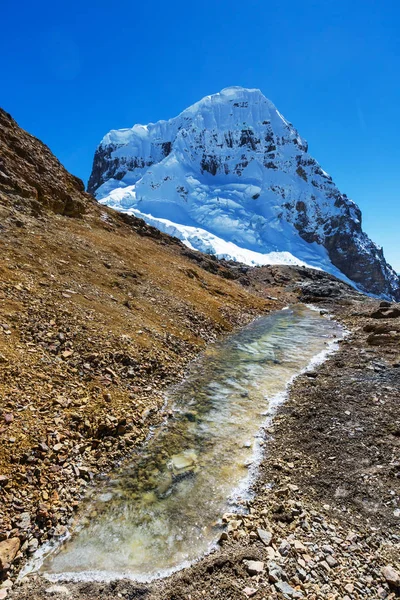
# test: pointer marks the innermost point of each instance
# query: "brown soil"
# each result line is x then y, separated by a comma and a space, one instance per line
98, 314
328, 489
95, 322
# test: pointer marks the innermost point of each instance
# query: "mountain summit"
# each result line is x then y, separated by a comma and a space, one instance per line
231, 176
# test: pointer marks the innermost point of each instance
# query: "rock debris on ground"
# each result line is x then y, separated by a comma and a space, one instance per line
99, 314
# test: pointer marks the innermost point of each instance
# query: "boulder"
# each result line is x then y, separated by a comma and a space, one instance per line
287, 590
265, 536
254, 567
386, 313
391, 575
8, 551
249, 591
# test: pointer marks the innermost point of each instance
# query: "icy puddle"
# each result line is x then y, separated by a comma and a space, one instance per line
164, 509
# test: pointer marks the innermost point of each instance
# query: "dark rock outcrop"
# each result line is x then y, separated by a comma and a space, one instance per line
32, 179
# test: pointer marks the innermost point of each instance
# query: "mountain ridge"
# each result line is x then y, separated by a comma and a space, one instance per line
32, 179
233, 167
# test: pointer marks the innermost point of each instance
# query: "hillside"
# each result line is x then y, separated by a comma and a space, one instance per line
99, 313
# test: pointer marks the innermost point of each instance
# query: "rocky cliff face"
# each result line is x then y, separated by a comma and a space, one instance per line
32, 179
232, 177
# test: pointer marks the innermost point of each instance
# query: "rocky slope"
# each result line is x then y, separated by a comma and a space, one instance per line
32, 180
231, 176
323, 524
98, 313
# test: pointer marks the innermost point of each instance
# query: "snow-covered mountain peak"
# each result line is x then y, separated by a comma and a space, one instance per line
231, 94
237, 91
230, 175
233, 107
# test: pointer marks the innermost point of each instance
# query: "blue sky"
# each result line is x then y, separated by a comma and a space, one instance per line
73, 70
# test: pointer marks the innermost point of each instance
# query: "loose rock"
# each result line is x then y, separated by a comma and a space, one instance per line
8, 551
265, 536
254, 567
391, 575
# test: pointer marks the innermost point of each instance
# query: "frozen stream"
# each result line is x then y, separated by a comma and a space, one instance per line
164, 509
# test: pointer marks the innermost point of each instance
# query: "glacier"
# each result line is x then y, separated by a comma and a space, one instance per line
231, 176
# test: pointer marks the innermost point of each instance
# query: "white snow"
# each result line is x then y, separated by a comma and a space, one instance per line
231, 176
204, 241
